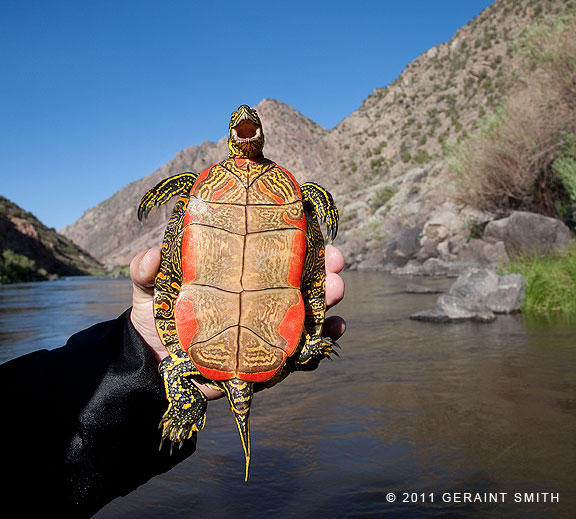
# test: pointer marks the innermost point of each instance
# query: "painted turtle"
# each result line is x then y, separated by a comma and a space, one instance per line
239, 297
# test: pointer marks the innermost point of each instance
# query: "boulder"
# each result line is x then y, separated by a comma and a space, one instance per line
477, 294
432, 267
475, 284
501, 294
454, 308
444, 221
437, 267
528, 233
479, 252
413, 288
509, 295
402, 247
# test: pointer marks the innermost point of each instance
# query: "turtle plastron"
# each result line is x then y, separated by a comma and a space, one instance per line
239, 298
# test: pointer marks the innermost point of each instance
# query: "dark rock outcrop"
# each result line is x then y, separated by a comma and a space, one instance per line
53, 254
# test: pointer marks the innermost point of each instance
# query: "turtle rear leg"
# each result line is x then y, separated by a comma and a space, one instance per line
180, 184
187, 405
315, 347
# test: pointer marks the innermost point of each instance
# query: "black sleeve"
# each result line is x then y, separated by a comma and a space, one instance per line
80, 423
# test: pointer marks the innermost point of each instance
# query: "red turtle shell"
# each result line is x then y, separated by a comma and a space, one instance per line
240, 312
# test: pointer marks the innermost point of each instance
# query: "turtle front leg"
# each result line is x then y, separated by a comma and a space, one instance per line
180, 184
323, 206
186, 411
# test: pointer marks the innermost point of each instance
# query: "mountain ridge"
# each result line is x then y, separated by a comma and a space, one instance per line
31, 251
384, 163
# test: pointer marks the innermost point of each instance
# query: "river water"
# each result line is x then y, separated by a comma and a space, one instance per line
411, 411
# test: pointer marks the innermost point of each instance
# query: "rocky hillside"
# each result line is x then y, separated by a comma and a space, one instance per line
385, 163
29, 250
394, 187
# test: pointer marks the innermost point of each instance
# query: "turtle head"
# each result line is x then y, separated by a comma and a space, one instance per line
245, 134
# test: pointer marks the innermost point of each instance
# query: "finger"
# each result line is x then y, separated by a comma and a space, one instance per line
334, 327
209, 392
334, 259
334, 289
143, 270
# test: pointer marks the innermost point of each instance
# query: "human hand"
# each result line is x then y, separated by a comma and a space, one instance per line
334, 326
143, 270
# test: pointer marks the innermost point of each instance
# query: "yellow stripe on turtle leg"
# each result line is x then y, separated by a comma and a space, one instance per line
165, 190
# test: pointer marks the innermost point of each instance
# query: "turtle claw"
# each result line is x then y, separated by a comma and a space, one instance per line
176, 430
331, 226
315, 349
324, 207
328, 347
143, 213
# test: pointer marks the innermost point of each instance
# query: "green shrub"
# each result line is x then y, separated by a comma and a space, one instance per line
378, 163
422, 157
565, 164
550, 283
15, 268
381, 197
378, 149
405, 155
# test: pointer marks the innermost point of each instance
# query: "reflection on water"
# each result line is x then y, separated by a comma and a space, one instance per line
44, 314
409, 407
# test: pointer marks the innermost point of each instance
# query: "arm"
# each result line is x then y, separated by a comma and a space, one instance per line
81, 421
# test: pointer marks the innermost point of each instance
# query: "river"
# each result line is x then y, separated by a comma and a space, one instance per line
413, 420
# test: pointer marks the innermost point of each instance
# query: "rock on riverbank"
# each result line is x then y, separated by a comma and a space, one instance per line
477, 294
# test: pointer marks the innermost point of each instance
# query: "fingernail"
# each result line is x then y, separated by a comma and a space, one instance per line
144, 267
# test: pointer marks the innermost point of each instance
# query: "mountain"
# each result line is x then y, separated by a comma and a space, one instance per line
31, 251
111, 230
385, 163
394, 186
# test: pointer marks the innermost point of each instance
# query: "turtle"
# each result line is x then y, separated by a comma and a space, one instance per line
239, 298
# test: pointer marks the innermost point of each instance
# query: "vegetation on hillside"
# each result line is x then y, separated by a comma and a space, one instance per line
524, 156
30, 251
15, 268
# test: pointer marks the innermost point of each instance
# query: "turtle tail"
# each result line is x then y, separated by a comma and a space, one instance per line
239, 393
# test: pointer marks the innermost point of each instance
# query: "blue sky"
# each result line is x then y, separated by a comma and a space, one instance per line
96, 94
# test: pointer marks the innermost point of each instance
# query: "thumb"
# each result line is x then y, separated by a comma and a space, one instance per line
143, 270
